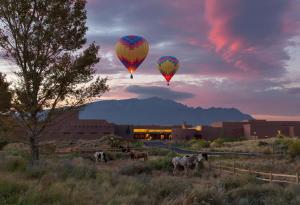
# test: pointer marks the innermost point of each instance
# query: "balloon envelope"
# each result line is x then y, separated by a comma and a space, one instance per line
168, 66
132, 51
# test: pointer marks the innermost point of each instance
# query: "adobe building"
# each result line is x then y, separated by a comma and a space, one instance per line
68, 126
258, 129
252, 129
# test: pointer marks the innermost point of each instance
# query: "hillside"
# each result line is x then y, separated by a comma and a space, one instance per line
157, 111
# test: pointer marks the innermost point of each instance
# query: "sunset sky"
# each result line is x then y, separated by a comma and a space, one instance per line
234, 53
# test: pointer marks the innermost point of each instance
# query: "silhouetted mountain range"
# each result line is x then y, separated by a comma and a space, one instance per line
157, 111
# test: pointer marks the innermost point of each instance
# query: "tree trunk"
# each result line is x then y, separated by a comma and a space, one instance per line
34, 150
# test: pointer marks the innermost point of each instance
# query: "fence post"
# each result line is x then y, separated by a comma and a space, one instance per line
271, 176
297, 178
220, 167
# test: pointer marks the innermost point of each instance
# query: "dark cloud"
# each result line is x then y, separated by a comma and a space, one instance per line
153, 91
252, 35
294, 91
242, 41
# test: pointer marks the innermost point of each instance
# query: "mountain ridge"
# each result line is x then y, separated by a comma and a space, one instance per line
157, 111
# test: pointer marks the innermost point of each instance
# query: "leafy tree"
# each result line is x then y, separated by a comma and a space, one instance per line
46, 40
5, 104
5, 95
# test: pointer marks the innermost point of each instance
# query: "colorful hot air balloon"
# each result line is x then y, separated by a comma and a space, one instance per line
132, 51
168, 66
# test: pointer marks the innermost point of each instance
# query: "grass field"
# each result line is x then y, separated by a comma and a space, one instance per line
71, 179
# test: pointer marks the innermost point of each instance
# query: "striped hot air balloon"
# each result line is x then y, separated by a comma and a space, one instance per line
132, 51
168, 66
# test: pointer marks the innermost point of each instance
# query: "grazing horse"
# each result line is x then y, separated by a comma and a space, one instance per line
138, 155
188, 162
100, 156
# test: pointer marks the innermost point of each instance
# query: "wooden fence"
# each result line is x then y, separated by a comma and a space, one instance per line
264, 176
90, 151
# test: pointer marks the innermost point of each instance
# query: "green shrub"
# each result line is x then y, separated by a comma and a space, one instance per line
14, 163
161, 188
137, 144
198, 144
3, 143
294, 149
136, 169
158, 151
36, 171
79, 172
207, 196
219, 142
230, 183
10, 191
256, 194
262, 144
282, 144
164, 164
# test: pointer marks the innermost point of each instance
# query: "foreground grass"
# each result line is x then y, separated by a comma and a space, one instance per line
77, 181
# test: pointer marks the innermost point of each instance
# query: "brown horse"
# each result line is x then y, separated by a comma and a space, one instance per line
139, 155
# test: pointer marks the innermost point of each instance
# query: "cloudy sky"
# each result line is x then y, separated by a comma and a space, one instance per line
234, 53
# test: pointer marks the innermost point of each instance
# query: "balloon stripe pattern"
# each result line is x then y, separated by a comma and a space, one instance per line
132, 51
168, 66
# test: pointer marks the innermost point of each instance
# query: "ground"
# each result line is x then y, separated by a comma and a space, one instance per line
75, 179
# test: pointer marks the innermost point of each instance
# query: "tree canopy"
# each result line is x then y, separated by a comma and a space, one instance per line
46, 40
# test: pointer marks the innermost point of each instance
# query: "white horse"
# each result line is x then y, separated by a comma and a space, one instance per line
187, 162
100, 156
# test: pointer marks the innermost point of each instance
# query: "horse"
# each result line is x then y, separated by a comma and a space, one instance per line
100, 156
138, 155
188, 162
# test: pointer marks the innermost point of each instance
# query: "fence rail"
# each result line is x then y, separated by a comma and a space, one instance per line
264, 176
87, 151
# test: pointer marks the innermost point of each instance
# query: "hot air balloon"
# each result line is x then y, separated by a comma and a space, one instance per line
168, 66
132, 51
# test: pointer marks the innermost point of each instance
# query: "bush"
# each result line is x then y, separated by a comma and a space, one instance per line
282, 144
3, 143
294, 149
10, 191
158, 151
137, 144
230, 183
217, 142
161, 188
198, 144
136, 169
210, 196
36, 171
262, 144
164, 164
255, 194
79, 172
14, 163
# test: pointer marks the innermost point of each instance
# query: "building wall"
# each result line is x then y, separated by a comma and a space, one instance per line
185, 134
265, 129
210, 133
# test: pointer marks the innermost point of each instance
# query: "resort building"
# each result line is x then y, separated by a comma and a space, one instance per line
68, 126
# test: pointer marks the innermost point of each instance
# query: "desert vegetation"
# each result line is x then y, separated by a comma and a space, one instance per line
71, 179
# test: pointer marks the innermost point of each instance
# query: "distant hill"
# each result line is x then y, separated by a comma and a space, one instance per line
157, 111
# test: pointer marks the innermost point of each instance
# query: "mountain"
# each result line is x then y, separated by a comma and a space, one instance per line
157, 111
